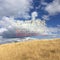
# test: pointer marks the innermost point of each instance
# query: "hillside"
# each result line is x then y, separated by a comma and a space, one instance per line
31, 50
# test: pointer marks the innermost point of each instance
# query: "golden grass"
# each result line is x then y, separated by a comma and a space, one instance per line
31, 50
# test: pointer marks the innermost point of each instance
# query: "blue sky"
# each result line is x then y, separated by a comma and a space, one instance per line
14, 11
53, 20
37, 6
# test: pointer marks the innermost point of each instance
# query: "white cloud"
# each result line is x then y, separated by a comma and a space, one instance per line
34, 15
9, 27
32, 26
54, 30
45, 17
58, 25
43, 2
2, 30
15, 8
53, 8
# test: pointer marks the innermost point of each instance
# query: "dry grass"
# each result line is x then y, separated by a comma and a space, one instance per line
31, 50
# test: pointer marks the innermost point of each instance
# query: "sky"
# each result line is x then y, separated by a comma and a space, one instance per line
14, 12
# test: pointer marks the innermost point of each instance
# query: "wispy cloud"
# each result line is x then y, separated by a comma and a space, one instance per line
45, 17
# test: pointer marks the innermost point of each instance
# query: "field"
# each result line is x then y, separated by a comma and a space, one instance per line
31, 50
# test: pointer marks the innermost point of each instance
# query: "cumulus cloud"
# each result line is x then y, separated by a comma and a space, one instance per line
53, 8
16, 28
11, 27
15, 8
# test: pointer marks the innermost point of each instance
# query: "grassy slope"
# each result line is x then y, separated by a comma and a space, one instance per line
31, 50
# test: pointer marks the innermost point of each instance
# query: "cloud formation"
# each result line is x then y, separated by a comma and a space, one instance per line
15, 8
15, 28
53, 8
45, 17
10, 27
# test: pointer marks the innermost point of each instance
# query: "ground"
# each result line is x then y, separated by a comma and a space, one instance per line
31, 50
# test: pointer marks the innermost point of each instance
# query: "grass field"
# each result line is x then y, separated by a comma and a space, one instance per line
31, 50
